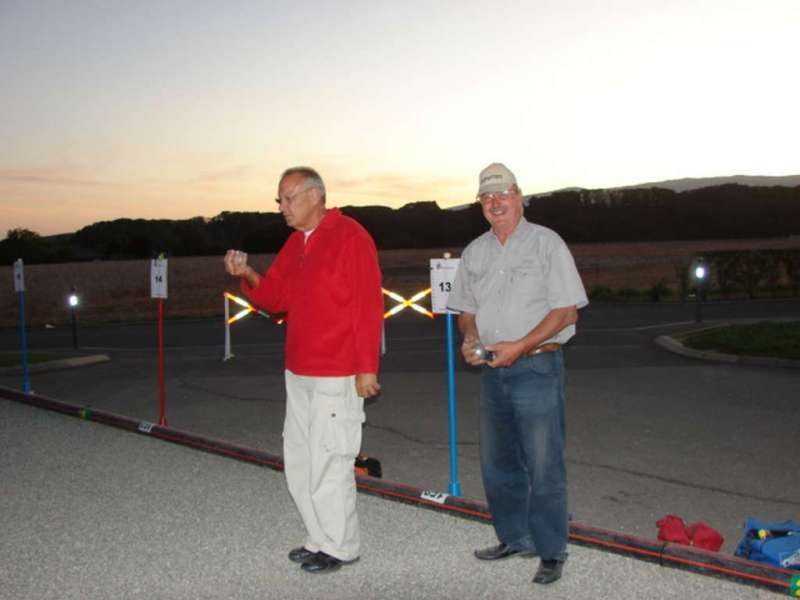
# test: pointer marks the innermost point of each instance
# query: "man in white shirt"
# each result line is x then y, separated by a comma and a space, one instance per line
519, 292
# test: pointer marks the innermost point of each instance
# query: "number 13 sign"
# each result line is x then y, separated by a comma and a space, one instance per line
443, 272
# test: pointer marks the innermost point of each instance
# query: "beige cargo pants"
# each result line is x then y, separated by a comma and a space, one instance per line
321, 438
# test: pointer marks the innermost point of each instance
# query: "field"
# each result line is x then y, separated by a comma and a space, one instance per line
120, 290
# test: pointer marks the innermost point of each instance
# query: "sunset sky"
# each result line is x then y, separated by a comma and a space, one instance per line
174, 109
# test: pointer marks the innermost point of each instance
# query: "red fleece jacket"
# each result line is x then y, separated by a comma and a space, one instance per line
330, 288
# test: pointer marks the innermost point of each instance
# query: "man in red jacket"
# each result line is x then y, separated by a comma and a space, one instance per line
326, 278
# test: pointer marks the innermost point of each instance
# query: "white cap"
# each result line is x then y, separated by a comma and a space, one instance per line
495, 178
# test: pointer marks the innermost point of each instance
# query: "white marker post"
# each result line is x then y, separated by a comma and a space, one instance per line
227, 354
158, 289
19, 287
443, 273
246, 310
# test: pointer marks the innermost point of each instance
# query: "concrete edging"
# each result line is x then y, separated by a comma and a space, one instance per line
673, 344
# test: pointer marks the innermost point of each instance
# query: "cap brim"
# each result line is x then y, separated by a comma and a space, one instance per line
492, 188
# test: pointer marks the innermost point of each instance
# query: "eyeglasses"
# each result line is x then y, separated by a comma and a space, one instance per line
484, 198
289, 199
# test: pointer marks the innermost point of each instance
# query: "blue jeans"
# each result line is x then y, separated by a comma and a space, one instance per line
522, 453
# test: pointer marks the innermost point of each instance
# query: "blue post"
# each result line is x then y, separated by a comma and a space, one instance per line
26, 387
455, 486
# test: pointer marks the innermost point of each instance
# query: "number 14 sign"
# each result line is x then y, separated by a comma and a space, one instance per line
443, 273
158, 278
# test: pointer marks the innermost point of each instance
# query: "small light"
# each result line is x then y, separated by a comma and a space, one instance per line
73, 300
700, 272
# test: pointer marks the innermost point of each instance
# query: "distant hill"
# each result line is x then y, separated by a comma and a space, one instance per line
679, 185
695, 183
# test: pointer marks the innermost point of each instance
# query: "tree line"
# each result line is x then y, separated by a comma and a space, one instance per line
619, 215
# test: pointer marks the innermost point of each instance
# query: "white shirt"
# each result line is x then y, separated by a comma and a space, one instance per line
511, 287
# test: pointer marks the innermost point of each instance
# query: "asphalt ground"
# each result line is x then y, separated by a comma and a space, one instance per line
91, 512
649, 432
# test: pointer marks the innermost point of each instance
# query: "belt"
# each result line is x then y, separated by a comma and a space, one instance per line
551, 347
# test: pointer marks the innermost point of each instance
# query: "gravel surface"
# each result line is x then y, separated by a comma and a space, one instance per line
88, 511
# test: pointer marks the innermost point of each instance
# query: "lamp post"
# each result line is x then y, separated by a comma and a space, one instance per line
73, 301
698, 271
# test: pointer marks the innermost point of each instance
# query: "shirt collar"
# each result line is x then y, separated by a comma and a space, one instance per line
332, 215
329, 219
523, 223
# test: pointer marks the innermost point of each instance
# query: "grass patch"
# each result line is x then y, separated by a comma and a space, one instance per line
14, 359
658, 293
778, 340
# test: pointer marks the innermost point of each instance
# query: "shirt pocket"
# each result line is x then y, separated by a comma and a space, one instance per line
528, 282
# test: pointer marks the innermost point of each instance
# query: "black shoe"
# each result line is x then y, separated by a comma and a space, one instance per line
500, 551
301, 554
548, 571
324, 563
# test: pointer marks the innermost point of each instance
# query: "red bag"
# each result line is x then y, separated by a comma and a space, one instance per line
703, 536
672, 529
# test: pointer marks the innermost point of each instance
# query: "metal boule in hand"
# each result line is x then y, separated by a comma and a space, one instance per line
240, 258
481, 352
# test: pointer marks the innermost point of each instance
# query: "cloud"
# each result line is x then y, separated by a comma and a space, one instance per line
223, 175
393, 186
48, 176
